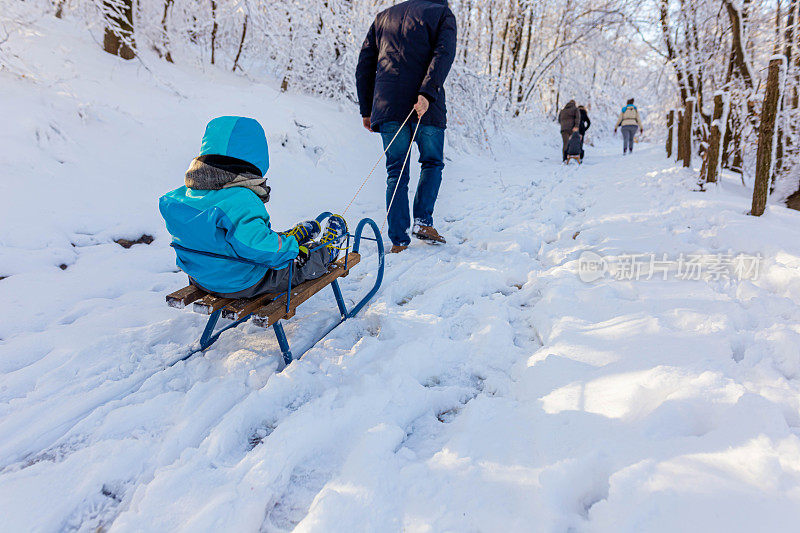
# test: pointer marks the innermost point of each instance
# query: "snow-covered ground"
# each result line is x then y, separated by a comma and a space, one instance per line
486, 388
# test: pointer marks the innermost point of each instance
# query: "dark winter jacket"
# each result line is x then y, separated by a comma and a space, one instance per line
408, 51
570, 116
585, 122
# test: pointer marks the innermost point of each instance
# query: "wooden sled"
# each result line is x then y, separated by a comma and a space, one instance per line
269, 309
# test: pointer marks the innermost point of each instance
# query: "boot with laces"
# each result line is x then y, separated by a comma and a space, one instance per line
334, 236
305, 231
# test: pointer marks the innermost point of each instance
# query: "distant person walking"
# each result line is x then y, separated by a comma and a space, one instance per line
583, 126
403, 63
570, 120
631, 123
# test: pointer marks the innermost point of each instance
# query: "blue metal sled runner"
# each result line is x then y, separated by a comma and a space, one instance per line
269, 309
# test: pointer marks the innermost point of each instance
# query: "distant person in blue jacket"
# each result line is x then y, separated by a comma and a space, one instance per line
403, 63
221, 209
631, 122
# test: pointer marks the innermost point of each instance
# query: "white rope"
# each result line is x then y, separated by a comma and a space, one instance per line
377, 162
400, 177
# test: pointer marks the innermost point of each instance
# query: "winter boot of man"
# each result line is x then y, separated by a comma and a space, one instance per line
428, 234
334, 236
305, 231
397, 248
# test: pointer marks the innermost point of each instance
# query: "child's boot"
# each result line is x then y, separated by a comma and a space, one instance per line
334, 236
305, 231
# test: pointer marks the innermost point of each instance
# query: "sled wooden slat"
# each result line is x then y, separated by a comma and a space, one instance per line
183, 297
276, 309
208, 304
263, 307
244, 306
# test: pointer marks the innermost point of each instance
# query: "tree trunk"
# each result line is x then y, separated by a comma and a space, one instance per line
787, 129
666, 30
738, 28
738, 157
524, 69
680, 129
715, 139
732, 144
241, 45
514, 49
118, 34
490, 53
766, 137
290, 66
686, 135
214, 29
670, 123
166, 53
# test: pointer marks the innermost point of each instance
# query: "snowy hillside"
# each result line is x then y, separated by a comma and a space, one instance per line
486, 388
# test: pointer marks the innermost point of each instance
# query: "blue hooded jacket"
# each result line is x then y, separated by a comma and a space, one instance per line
230, 221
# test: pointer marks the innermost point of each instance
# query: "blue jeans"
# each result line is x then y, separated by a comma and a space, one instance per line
430, 142
628, 133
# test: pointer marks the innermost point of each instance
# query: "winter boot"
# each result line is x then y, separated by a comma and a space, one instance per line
397, 248
428, 234
305, 231
334, 236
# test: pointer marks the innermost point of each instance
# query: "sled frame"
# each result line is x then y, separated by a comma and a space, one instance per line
341, 269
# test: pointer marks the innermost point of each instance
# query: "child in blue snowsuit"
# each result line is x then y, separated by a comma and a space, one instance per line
221, 209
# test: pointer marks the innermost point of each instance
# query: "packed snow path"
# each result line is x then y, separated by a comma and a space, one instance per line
485, 389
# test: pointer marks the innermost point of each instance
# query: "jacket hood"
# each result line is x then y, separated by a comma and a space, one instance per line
238, 137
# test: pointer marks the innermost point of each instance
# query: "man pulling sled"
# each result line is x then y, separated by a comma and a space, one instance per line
403, 63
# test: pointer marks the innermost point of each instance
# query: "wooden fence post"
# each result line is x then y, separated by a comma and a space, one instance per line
766, 135
670, 123
715, 139
686, 136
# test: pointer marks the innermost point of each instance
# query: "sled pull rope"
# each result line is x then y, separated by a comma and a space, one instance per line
376, 164
400, 177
